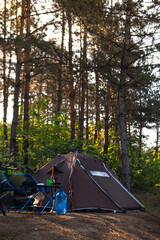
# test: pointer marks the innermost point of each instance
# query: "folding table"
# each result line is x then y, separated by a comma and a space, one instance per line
46, 190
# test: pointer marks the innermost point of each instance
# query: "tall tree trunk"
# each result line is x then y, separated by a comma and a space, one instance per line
27, 84
59, 101
80, 80
140, 140
13, 140
84, 62
157, 141
87, 109
21, 111
140, 128
106, 128
97, 105
108, 88
121, 97
5, 84
71, 79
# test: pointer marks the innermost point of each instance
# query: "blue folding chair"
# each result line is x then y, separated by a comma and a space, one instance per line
5, 188
25, 191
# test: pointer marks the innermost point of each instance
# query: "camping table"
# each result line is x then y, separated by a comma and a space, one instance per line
45, 190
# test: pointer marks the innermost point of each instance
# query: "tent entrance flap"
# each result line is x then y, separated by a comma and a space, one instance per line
57, 168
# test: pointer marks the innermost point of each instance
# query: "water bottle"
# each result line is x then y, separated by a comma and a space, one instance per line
61, 203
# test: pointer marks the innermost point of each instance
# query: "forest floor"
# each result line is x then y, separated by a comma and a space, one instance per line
84, 226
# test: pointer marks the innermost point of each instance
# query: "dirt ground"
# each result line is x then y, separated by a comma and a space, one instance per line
84, 226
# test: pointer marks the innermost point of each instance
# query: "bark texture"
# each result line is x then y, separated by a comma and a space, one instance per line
13, 141
83, 89
27, 84
121, 98
71, 79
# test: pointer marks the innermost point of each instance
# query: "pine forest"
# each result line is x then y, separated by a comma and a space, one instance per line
81, 76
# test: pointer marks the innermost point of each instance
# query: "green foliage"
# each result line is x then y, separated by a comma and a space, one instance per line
146, 171
114, 155
4, 148
151, 200
50, 135
144, 167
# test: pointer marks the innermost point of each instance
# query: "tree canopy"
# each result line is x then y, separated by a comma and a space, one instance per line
81, 76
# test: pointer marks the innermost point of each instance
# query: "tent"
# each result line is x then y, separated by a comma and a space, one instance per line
88, 184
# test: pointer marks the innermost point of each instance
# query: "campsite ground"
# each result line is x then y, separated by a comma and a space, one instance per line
84, 226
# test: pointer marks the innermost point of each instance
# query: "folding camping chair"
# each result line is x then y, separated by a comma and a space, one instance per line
25, 191
5, 188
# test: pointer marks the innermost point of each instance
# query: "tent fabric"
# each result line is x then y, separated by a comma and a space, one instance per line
88, 183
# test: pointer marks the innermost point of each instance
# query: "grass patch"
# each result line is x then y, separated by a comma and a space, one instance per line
6, 235
151, 200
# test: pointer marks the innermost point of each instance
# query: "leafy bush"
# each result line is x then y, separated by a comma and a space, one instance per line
50, 135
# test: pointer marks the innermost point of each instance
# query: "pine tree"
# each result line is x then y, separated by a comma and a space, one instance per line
59, 95
27, 80
13, 137
71, 78
83, 81
5, 82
